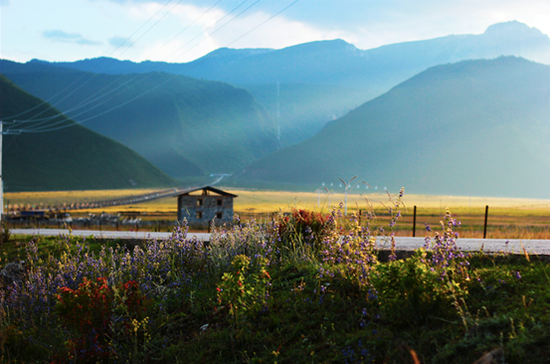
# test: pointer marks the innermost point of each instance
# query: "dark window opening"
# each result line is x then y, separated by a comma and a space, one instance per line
199, 214
219, 202
219, 215
199, 202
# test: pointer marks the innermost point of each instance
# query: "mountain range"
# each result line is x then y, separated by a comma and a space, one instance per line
337, 62
185, 126
324, 80
472, 128
69, 158
420, 114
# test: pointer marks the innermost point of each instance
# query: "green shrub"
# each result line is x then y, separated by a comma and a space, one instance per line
5, 233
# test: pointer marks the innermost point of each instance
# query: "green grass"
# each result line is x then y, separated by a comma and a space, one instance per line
320, 311
14, 249
302, 329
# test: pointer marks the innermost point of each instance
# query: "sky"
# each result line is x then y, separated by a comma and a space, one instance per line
184, 30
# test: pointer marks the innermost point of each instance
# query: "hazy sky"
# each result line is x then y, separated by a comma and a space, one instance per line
183, 30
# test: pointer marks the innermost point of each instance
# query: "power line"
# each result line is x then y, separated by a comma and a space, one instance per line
91, 99
152, 26
47, 128
92, 71
41, 126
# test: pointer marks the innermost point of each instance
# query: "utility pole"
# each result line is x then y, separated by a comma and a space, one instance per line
1, 179
319, 190
346, 187
318, 198
278, 113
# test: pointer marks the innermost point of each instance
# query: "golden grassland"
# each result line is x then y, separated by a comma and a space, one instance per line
54, 197
508, 217
260, 202
269, 201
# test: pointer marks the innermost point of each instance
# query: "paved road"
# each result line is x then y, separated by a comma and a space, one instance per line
105, 234
539, 247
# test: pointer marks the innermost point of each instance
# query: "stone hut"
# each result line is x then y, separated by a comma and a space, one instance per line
201, 205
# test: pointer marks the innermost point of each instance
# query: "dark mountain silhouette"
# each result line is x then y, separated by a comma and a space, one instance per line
66, 159
184, 126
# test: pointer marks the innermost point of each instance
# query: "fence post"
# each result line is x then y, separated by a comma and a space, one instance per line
360, 213
414, 222
485, 225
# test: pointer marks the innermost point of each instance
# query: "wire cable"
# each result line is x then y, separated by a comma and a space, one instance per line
93, 71
103, 94
50, 128
41, 125
90, 99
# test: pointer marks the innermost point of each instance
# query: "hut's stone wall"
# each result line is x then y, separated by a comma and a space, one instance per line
201, 210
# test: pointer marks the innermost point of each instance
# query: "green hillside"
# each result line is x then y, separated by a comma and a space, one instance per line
66, 159
184, 126
471, 128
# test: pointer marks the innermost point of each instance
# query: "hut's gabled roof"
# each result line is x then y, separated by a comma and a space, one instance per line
205, 188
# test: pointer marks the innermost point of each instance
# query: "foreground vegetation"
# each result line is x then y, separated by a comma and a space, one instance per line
303, 288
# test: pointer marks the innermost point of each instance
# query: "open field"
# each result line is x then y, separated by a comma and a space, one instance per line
508, 217
300, 294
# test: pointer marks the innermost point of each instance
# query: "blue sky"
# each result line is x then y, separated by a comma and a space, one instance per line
183, 30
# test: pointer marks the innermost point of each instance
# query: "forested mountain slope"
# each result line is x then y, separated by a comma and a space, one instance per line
69, 158
182, 125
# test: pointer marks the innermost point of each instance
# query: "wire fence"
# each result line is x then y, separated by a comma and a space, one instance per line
483, 222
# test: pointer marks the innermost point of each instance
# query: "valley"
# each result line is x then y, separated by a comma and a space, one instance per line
512, 218
418, 114
276, 182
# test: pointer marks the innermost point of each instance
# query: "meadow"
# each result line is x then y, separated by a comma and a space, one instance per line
300, 288
509, 218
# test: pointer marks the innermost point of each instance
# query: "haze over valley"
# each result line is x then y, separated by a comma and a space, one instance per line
460, 114
226, 181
